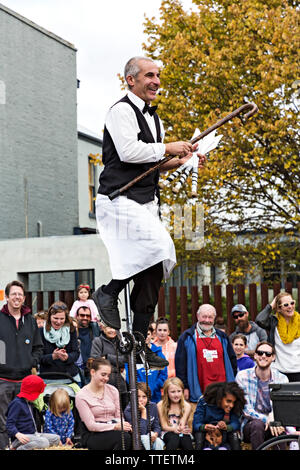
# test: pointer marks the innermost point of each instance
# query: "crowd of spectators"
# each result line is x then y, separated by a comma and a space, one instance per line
213, 394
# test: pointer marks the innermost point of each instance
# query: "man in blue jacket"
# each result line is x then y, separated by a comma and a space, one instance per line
204, 355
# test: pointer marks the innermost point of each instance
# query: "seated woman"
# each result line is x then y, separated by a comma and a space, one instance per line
98, 405
60, 345
217, 416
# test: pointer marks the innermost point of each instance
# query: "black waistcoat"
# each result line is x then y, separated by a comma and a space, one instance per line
117, 173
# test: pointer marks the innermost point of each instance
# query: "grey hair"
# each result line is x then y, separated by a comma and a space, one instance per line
132, 67
205, 307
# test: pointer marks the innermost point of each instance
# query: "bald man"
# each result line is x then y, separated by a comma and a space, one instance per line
204, 355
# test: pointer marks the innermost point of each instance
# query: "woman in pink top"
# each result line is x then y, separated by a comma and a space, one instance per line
167, 344
98, 406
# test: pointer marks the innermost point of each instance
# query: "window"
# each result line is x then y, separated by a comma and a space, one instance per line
92, 186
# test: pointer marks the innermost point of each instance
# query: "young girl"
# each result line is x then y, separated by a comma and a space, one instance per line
144, 394
84, 300
239, 344
167, 344
217, 416
59, 417
173, 413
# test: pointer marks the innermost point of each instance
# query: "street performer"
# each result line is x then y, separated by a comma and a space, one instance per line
138, 245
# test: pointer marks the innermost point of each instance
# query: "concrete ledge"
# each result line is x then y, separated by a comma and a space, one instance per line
50, 254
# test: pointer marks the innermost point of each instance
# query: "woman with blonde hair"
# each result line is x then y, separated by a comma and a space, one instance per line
283, 327
174, 413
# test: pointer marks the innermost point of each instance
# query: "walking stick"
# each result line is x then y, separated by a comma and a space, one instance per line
250, 107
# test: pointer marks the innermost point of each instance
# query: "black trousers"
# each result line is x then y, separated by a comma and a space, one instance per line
144, 295
174, 441
106, 440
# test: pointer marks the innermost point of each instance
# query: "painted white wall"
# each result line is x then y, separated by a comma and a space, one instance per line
47, 254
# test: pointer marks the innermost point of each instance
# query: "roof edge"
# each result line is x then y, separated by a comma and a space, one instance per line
37, 27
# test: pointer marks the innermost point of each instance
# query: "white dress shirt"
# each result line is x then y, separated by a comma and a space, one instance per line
133, 234
122, 124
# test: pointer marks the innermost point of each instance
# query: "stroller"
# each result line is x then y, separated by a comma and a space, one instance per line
42, 403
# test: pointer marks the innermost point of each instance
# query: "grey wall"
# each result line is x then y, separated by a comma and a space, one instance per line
38, 130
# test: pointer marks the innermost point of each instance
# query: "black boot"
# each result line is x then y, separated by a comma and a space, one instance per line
107, 306
154, 361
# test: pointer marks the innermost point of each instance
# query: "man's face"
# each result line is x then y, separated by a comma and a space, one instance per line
84, 317
241, 319
147, 82
264, 356
15, 298
206, 319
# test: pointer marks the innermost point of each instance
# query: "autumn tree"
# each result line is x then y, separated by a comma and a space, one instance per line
215, 57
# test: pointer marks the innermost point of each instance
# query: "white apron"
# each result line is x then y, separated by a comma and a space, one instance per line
134, 236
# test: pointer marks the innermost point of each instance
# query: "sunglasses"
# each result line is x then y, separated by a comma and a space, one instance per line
84, 315
59, 308
267, 353
287, 304
238, 315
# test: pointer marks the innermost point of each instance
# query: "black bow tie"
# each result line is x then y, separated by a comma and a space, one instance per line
151, 109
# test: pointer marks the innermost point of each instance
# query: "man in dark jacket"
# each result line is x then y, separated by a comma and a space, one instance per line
204, 355
87, 331
20, 349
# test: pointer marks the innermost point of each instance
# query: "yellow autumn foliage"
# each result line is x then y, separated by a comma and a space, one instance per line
214, 58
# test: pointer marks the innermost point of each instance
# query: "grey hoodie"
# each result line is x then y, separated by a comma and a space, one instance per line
254, 336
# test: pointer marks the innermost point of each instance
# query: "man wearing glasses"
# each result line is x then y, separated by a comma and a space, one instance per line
20, 348
258, 421
87, 331
251, 330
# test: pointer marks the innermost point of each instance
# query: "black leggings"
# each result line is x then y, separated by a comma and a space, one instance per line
174, 441
107, 440
143, 297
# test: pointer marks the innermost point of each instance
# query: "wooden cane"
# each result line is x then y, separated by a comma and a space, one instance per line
248, 106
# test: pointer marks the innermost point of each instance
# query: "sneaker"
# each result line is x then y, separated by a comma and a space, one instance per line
108, 308
154, 361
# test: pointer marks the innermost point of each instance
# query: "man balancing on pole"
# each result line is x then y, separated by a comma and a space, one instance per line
138, 245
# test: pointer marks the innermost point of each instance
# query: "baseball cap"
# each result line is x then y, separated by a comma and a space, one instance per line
31, 387
239, 308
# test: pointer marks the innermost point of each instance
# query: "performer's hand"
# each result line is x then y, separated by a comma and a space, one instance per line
181, 148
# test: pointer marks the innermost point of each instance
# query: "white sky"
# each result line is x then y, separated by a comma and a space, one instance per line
106, 33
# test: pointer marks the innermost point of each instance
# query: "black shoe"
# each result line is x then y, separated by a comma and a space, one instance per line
108, 308
154, 361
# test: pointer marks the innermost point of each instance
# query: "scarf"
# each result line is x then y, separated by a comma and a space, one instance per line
60, 337
288, 331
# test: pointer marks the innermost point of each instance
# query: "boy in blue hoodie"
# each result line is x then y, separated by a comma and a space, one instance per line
20, 423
